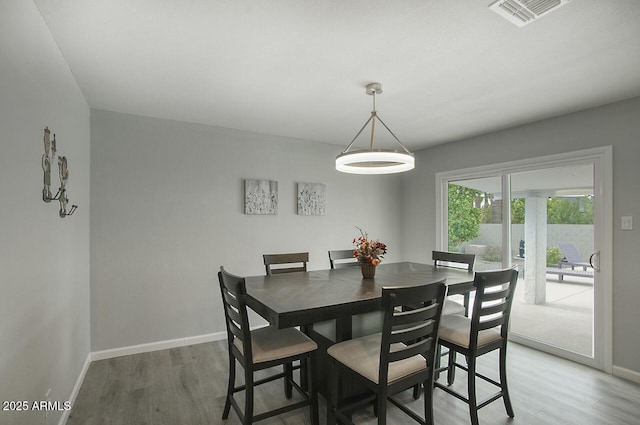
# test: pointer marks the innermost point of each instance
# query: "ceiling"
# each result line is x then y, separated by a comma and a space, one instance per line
297, 68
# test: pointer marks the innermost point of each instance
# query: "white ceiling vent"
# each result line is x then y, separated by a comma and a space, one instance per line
523, 12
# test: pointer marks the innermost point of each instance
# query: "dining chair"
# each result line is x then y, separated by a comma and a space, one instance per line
361, 324
300, 258
383, 362
455, 260
293, 262
342, 258
485, 331
261, 349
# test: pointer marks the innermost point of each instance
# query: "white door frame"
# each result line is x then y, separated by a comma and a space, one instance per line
602, 158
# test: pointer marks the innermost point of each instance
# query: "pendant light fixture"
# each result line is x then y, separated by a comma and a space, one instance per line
374, 161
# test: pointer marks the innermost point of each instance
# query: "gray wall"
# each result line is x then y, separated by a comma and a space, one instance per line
167, 212
617, 125
44, 259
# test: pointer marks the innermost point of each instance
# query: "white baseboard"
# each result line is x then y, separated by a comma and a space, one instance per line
155, 346
627, 374
76, 389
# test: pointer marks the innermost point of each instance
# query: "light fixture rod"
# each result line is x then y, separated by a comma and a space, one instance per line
394, 136
359, 132
373, 127
372, 90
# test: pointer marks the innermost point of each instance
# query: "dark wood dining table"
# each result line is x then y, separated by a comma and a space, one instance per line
335, 296
304, 298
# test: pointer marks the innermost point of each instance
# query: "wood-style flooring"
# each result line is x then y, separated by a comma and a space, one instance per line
187, 386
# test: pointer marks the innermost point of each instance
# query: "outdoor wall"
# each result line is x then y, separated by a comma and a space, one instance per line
581, 235
44, 259
168, 211
615, 124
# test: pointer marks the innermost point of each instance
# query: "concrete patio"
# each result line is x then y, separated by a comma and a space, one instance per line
565, 320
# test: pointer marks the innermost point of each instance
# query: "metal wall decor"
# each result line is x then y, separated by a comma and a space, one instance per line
312, 198
260, 197
50, 150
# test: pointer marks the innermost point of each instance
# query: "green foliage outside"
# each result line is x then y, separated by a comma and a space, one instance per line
464, 218
553, 256
517, 211
570, 210
559, 210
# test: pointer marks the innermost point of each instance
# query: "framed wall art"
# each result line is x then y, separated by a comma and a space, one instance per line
312, 198
260, 197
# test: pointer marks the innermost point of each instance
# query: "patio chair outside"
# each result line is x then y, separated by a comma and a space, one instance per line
571, 256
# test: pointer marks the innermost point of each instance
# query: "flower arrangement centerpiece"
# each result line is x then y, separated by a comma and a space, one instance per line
369, 253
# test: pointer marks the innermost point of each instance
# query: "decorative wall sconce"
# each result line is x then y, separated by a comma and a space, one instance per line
63, 172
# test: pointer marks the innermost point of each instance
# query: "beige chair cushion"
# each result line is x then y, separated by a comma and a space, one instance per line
452, 307
270, 343
455, 328
362, 355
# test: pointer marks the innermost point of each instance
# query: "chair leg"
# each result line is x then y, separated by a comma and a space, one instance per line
313, 391
503, 382
451, 369
305, 377
248, 400
230, 386
471, 388
381, 401
428, 402
416, 391
304, 383
288, 376
437, 362
332, 399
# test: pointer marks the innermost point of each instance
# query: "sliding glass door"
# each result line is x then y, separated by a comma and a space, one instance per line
553, 223
547, 217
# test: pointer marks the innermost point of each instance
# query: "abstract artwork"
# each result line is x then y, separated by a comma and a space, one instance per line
312, 198
260, 197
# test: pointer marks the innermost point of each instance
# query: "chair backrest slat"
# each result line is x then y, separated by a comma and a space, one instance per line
409, 333
234, 292
413, 316
230, 298
235, 315
418, 348
492, 323
423, 330
236, 331
493, 309
445, 259
277, 259
342, 258
287, 270
496, 295
493, 300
